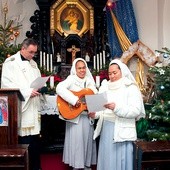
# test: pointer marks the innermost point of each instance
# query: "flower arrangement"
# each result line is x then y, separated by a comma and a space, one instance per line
100, 75
104, 74
51, 85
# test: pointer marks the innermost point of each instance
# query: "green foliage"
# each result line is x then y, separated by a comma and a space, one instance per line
165, 51
158, 115
162, 81
57, 79
141, 127
8, 37
8, 51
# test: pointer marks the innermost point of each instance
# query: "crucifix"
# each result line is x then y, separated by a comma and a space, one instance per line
73, 51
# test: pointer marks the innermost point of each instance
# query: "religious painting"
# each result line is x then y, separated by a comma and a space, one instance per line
71, 20
71, 17
3, 111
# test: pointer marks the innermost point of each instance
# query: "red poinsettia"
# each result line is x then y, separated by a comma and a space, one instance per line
103, 74
57, 79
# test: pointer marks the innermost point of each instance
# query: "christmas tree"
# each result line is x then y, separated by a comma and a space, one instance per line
158, 112
8, 37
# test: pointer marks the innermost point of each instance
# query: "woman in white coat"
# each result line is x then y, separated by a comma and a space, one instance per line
79, 147
116, 124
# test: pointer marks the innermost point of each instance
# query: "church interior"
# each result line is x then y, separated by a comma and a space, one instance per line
98, 31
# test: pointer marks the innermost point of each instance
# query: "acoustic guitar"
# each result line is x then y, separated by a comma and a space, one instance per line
69, 111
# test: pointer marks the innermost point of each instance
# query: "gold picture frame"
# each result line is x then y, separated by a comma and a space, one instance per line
71, 17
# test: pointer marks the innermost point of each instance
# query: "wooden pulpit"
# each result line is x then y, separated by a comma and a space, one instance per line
10, 99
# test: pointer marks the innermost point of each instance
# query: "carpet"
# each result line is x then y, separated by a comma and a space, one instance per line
53, 161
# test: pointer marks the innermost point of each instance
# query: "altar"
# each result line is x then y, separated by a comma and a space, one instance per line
50, 106
52, 127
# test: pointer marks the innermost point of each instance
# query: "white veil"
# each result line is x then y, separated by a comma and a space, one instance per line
73, 69
127, 74
124, 69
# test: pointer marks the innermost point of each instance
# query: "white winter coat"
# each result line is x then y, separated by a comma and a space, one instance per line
129, 108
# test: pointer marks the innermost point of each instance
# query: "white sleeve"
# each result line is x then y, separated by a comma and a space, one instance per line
63, 91
134, 106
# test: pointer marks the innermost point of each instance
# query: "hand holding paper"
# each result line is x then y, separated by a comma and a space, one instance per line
39, 82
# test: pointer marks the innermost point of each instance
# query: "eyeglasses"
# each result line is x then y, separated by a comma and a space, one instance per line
32, 52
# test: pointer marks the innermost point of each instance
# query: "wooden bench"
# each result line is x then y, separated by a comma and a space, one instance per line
152, 155
14, 157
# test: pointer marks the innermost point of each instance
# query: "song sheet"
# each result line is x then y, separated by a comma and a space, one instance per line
39, 82
96, 102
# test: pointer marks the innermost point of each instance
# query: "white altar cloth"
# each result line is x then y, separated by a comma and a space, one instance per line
50, 106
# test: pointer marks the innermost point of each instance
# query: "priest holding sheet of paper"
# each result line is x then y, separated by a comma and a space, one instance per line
19, 71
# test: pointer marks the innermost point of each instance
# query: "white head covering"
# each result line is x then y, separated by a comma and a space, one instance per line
126, 73
73, 69
124, 70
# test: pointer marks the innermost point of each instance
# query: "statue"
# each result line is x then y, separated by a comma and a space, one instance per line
87, 58
58, 57
73, 51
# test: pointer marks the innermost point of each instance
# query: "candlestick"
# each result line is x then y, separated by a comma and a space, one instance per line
94, 62
51, 62
41, 58
97, 81
47, 62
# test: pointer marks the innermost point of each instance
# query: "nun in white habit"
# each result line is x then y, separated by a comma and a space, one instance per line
79, 147
116, 125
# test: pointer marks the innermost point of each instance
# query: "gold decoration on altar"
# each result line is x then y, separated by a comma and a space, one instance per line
71, 17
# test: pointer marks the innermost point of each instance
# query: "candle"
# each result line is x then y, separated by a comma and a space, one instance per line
97, 81
40, 58
44, 61
94, 62
100, 60
97, 61
51, 82
51, 62
47, 62
104, 58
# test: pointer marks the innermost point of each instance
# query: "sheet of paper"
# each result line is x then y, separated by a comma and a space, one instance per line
96, 102
39, 82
